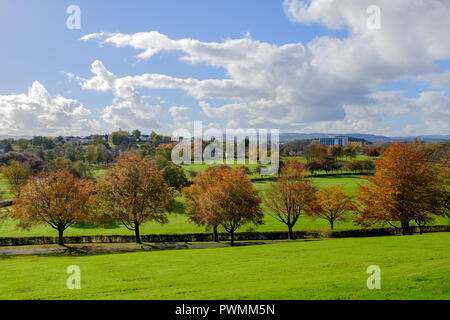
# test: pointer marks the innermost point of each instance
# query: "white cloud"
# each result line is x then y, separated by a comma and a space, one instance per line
437, 80
179, 113
128, 109
327, 82
39, 113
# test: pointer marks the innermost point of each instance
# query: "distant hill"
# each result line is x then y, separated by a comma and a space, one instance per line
429, 138
3, 137
286, 137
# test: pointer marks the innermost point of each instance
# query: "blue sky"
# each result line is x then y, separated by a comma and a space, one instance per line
37, 46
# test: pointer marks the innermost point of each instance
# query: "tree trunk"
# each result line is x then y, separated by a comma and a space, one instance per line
216, 234
420, 229
138, 235
60, 236
291, 233
232, 238
405, 228
332, 225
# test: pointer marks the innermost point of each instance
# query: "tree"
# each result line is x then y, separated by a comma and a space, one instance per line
8, 147
315, 151
133, 191
405, 187
292, 195
336, 152
136, 133
195, 195
78, 168
328, 163
223, 197
17, 175
25, 158
122, 138
245, 169
175, 176
147, 150
313, 166
57, 198
350, 152
44, 142
22, 144
372, 152
92, 154
97, 139
334, 204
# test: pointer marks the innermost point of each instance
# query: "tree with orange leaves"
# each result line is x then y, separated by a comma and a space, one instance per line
292, 195
195, 197
406, 187
223, 197
334, 205
133, 191
56, 198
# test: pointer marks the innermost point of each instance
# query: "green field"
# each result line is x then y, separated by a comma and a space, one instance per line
178, 222
5, 192
412, 267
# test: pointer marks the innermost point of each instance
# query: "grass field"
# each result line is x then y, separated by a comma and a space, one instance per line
5, 192
412, 267
178, 223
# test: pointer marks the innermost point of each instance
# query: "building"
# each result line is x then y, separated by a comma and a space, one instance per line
145, 138
333, 141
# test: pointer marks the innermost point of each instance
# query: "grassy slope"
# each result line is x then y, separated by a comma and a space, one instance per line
413, 267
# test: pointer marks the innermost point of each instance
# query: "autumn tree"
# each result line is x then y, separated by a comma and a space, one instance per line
223, 197
56, 198
195, 195
335, 151
292, 195
133, 191
372, 152
315, 151
405, 187
334, 205
25, 158
17, 175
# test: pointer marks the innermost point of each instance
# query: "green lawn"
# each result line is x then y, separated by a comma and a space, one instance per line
412, 267
5, 192
178, 223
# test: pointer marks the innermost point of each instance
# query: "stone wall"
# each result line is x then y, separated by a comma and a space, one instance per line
6, 203
205, 237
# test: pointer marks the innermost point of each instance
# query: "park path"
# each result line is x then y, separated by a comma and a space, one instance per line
113, 248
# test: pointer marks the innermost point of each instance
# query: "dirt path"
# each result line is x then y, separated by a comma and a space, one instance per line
112, 248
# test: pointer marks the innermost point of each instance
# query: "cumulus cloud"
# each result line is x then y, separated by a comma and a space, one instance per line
179, 113
329, 81
128, 109
37, 112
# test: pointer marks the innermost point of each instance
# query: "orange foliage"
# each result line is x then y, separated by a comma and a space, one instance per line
133, 191
334, 204
292, 195
406, 187
56, 198
223, 197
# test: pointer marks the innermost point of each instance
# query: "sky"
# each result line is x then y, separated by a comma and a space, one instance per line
332, 66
